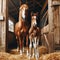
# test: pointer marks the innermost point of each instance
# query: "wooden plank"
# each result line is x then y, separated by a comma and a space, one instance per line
38, 3
45, 29
50, 15
44, 6
57, 25
56, 3
44, 15
50, 18
3, 24
1, 7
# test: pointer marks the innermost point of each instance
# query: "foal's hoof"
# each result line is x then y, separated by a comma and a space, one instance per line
33, 55
23, 50
20, 52
27, 53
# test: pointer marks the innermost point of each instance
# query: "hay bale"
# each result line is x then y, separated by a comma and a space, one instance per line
51, 56
43, 50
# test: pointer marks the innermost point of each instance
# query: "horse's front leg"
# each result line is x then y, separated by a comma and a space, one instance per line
20, 41
18, 47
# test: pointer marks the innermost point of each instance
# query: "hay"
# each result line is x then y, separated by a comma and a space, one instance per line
43, 50
7, 56
51, 56
4, 56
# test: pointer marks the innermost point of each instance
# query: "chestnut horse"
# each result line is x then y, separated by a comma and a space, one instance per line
34, 35
22, 27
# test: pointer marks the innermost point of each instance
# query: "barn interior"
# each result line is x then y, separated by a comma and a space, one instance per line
48, 21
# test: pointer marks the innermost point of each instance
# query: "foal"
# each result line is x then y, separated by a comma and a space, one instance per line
34, 36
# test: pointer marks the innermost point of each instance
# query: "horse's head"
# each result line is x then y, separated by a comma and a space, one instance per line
23, 12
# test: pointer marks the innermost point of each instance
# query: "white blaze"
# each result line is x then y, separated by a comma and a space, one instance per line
23, 13
34, 20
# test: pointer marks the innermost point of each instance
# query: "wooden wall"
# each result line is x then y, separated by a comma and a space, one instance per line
53, 35
56, 22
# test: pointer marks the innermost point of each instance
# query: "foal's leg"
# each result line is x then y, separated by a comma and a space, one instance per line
30, 48
34, 46
37, 44
23, 44
27, 44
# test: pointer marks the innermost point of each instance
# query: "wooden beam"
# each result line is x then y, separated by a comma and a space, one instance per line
32, 6
46, 13
12, 10
38, 3
56, 3
44, 6
50, 19
50, 15
4, 24
13, 5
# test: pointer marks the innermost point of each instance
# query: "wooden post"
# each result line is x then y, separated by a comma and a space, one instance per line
51, 26
56, 16
3, 12
54, 23
50, 15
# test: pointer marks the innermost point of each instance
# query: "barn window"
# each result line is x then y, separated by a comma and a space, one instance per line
10, 26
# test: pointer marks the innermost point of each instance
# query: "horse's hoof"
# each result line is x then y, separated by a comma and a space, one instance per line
17, 49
